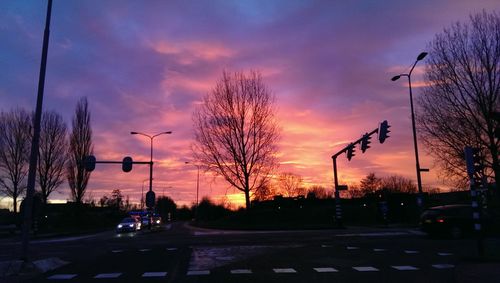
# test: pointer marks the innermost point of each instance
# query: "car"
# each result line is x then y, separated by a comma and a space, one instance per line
454, 220
156, 221
145, 221
128, 224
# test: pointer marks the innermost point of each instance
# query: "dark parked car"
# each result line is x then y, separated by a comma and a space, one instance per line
450, 220
129, 224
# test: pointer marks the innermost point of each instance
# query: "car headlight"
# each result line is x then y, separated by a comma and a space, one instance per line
120, 226
157, 221
131, 225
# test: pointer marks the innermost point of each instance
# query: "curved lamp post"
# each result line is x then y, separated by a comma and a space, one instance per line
151, 159
197, 180
419, 179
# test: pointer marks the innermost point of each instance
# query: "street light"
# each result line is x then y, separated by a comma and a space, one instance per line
417, 164
197, 181
151, 159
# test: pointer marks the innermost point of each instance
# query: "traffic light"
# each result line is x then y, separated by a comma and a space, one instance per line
350, 151
383, 130
89, 163
127, 164
365, 142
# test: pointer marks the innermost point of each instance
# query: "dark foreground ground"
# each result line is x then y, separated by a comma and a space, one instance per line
181, 253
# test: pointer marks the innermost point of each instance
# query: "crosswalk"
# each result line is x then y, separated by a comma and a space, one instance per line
441, 261
277, 270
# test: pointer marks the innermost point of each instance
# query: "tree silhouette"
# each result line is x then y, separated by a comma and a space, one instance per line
80, 146
459, 105
236, 133
15, 132
52, 153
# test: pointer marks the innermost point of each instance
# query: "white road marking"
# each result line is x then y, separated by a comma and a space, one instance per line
284, 270
325, 269
326, 246
443, 266
62, 276
107, 275
171, 249
404, 267
144, 250
364, 268
379, 250
445, 254
374, 234
198, 272
154, 274
117, 251
352, 248
241, 271
411, 252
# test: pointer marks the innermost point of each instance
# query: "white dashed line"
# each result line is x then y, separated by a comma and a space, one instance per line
443, 266
404, 267
154, 274
364, 268
325, 269
198, 272
284, 270
379, 250
445, 254
61, 277
241, 271
171, 249
107, 275
144, 250
352, 248
326, 246
411, 252
117, 251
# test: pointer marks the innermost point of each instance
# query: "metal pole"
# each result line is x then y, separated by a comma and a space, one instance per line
151, 167
338, 208
417, 163
36, 139
197, 185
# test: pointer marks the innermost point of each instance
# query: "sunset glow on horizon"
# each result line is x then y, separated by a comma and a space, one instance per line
145, 66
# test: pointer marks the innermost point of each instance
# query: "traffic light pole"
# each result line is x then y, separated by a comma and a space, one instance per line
338, 207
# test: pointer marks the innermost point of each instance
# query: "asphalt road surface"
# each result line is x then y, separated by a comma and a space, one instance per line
180, 253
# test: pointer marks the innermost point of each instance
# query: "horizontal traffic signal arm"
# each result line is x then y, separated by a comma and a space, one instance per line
90, 162
358, 141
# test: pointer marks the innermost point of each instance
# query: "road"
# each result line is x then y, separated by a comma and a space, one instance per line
181, 253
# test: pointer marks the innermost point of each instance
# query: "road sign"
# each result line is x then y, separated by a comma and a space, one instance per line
150, 199
342, 187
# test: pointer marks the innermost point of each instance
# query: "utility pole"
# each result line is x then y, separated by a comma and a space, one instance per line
28, 203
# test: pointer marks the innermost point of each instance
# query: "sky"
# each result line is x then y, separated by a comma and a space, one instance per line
145, 66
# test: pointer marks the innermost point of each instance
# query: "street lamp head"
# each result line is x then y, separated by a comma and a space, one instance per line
421, 56
133, 133
168, 133
395, 78
186, 162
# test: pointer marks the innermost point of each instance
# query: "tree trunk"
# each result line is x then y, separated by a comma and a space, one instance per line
14, 198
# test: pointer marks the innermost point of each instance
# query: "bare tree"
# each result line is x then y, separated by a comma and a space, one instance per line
370, 184
15, 132
80, 146
459, 105
319, 192
290, 184
236, 133
398, 184
52, 153
265, 192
